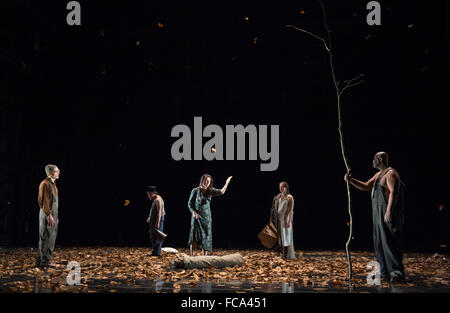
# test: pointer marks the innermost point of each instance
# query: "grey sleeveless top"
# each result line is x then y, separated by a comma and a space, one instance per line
154, 210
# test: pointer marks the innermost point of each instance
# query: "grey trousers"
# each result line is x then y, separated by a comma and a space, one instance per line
386, 238
47, 238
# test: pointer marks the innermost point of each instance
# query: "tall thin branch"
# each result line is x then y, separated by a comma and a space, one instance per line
339, 89
309, 33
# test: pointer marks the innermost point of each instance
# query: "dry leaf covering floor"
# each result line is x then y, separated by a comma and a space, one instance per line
111, 269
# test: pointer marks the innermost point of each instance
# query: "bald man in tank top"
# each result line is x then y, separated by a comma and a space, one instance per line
388, 215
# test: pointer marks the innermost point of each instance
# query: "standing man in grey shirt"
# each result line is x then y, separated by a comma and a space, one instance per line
155, 218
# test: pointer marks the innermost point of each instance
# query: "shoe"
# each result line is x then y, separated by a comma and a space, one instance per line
397, 278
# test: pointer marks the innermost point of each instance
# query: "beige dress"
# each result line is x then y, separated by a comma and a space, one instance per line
283, 211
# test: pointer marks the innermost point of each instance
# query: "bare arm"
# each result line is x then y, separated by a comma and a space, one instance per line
364, 186
214, 192
158, 207
290, 211
391, 182
222, 191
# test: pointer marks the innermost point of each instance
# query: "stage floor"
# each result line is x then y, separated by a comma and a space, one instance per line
132, 269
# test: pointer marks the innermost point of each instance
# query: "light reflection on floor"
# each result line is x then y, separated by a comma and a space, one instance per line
112, 269
161, 286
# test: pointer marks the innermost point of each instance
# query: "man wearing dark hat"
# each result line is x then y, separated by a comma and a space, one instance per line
155, 218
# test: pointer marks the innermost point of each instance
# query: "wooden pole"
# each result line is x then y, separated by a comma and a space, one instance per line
339, 89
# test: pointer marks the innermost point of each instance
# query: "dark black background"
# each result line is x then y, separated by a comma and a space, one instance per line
102, 108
